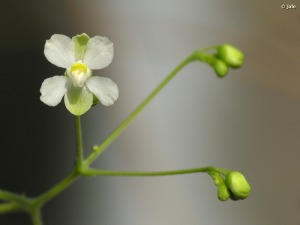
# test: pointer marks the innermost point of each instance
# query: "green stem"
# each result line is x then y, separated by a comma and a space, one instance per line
37, 203
36, 217
12, 197
97, 150
9, 207
95, 172
79, 148
58, 188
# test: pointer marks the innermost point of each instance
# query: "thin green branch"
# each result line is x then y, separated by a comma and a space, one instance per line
58, 188
40, 200
9, 207
97, 150
12, 197
96, 172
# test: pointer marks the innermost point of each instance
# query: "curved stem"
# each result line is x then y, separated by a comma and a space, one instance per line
97, 150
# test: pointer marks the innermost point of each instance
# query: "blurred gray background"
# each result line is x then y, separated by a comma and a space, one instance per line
248, 121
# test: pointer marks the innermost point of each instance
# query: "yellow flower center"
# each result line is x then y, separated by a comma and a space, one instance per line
78, 68
79, 73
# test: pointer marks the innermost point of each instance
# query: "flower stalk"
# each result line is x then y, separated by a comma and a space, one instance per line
79, 145
96, 172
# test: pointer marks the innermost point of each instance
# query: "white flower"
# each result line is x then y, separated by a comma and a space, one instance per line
79, 56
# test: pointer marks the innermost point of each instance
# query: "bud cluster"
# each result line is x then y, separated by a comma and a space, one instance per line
225, 57
234, 185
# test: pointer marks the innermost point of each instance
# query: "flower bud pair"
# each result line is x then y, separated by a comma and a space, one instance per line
230, 55
222, 191
233, 186
227, 56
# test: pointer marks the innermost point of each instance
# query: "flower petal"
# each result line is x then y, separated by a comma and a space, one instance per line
59, 50
104, 88
78, 100
53, 89
99, 53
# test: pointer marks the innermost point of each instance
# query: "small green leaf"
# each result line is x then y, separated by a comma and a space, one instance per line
78, 100
80, 42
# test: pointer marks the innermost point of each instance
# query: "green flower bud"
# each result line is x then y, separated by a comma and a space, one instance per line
232, 56
223, 192
237, 184
220, 67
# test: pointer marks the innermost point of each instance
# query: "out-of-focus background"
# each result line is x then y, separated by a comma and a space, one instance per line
248, 121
